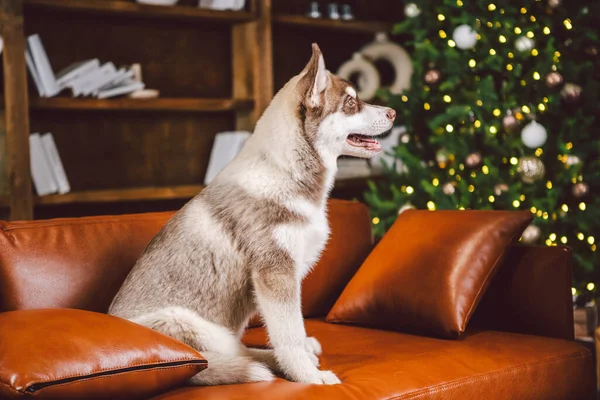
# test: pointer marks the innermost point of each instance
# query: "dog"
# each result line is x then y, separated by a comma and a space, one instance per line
246, 241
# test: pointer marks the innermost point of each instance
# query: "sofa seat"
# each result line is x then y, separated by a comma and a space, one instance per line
374, 364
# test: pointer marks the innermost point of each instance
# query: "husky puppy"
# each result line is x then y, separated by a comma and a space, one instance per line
247, 240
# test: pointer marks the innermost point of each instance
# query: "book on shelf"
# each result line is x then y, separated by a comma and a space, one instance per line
82, 78
41, 170
42, 65
76, 70
222, 4
56, 165
226, 146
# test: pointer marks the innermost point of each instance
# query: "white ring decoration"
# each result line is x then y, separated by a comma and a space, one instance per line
383, 48
368, 79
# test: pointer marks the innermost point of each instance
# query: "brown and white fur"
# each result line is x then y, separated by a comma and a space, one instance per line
247, 240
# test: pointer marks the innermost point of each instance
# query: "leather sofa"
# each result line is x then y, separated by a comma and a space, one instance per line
518, 345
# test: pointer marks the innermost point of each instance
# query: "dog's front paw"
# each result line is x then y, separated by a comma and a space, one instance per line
312, 345
321, 378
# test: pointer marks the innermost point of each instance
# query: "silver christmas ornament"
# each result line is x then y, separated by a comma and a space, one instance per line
473, 160
448, 188
571, 92
553, 79
572, 160
405, 207
580, 189
411, 10
524, 44
534, 135
509, 122
554, 3
531, 234
500, 188
432, 76
531, 169
464, 36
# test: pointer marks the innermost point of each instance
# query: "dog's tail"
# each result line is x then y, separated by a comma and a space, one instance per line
223, 351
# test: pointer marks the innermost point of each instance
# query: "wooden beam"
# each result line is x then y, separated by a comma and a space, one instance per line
263, 62
16, 110
243, 52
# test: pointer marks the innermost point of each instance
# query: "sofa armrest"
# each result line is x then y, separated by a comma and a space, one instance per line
531, 293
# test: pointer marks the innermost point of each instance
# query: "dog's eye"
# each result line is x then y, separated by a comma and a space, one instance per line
350, 102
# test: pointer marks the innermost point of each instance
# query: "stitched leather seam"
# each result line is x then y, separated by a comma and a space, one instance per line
460, 382
108, 376
157, 365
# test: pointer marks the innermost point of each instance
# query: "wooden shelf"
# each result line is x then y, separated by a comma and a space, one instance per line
126, 104
121, 195
323, 23
157, 193
123, 8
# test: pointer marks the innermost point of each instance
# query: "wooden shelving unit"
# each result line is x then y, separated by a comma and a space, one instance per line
126, 104
130, 9
215, 72
328, 24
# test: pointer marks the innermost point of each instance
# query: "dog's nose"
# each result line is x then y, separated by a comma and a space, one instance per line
391, 114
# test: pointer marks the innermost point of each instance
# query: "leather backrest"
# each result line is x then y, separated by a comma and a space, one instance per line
81, 262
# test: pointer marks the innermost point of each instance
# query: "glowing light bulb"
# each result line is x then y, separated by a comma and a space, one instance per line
471, 188
426, 106
533, 210
539, 152
522, 197
530, 34
451, 43
459, 3
510, 55
546, 30
485, 170
430, 205
552, 236
590, 286
517, 30
541, 107
582, 206
516, 203
449, 128
479, 103
534, 52
549, 185
509, 67
477, 123
447, 98
563, 240
375, 221
491, 199
410, 190
492, 52
523, 10
491, 7
404, 98
472, 63
493, 130
536, 76
569, 145
502, 39
442, 34
590, 239
580, 236
567, 23
435, 182
532, 18
496, 112
514, 160
526, 109
564, 207
441, 17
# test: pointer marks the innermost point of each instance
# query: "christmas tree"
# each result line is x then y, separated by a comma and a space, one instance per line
501, 114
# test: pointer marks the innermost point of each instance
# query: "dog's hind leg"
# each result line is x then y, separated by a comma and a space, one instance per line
228, 361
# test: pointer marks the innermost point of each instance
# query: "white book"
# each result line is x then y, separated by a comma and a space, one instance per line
34, 74
41, 171
76, 70
42, 64
122, 77
121, 90
226, 146
86, 84
56, 164
352, 168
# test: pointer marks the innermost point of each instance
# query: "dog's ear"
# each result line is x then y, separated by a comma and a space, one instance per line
315, 79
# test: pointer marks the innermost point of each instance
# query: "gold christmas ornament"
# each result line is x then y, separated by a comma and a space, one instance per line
473, 160
531, 169
432, 76
449, 188
531, 234
553, 79
500, 188
554, 3
571, 92
509, 122
580, 189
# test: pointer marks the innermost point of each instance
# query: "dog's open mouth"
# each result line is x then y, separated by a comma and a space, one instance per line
364, 141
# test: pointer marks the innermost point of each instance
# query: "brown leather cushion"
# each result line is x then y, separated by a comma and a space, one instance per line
429, 271
82, 262
74, 354
375, 364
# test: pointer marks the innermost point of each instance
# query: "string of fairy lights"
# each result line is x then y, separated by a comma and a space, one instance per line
523, 45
